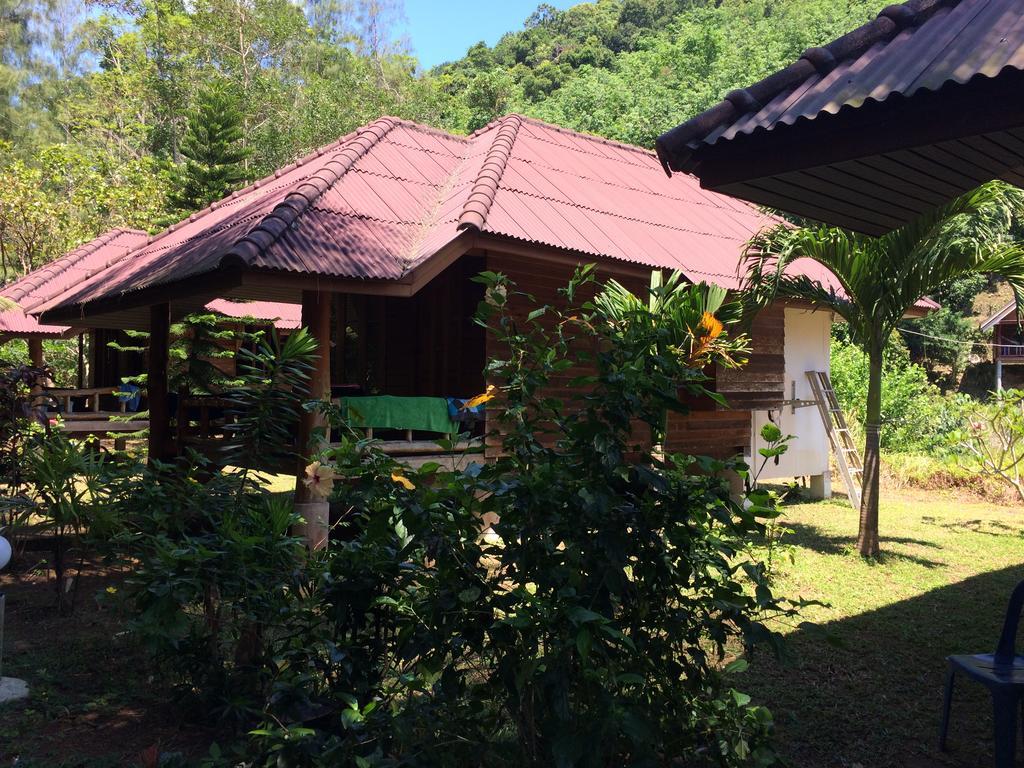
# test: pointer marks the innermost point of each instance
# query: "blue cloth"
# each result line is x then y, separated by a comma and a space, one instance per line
458, 410
130, 395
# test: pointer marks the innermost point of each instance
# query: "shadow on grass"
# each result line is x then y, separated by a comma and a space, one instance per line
987, 527
874, 698
816, 539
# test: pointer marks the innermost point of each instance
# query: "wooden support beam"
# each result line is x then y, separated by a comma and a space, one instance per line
35, 351
80, 382
156, 383
35, 356
316, 317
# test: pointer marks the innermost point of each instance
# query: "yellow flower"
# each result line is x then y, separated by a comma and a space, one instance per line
712, 326
319, 479
403, 481
709, 329
111, 590
473, 402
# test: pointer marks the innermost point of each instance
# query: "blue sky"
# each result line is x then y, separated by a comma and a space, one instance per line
442, 30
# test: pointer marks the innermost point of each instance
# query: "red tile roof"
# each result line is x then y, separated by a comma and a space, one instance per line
383, 200
918, 46
60, 275
65, 273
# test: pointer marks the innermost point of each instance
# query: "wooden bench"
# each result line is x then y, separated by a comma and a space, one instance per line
94, 420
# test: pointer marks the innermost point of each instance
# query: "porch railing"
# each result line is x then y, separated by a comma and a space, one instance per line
1010, 350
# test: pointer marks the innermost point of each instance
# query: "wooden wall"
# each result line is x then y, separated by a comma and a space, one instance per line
707, 429
761, 383
426, 345
542, 280
721, 434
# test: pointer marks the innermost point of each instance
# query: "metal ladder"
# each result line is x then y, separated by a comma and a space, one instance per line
846, 453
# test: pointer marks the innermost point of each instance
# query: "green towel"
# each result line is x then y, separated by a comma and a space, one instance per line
424, 414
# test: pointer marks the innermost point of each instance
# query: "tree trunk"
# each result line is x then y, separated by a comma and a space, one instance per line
867, 540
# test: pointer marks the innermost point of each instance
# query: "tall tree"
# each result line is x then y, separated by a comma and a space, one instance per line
214, 156
881, 278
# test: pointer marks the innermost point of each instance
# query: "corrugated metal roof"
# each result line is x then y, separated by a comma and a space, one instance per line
284, 316
921, 45
387, 198
102, 253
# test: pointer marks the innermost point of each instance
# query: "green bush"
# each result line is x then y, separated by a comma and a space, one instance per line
916, 417
590, 631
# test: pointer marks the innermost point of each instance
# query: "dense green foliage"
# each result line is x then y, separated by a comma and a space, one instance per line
590, 629
916, 417
630, 69
214, 154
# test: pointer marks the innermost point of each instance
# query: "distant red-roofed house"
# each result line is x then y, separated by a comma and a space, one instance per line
378, 234
1008, 346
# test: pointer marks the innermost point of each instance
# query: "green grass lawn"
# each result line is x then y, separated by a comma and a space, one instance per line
865, 688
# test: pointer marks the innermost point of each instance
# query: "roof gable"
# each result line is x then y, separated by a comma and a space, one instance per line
1009, 311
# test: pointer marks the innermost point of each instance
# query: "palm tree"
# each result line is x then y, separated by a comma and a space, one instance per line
879, 279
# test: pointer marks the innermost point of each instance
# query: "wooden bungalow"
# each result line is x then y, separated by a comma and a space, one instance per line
1007, 346
378, 235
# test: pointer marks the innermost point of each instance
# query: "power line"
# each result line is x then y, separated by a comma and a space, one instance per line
953, 341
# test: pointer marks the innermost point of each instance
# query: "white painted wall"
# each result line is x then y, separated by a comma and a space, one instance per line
807, 349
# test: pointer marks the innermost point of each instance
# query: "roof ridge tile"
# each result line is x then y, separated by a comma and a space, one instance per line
481, 196
296, 202
235, 194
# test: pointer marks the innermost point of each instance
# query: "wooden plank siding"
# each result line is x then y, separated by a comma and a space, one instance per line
542, 280
761, 383
721, 434
706, 430
424, 345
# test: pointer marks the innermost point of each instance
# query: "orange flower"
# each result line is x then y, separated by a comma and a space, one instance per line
473, 402
712, 326
402, 481
319, 479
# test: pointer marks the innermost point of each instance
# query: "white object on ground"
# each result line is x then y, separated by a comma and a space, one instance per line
12, 689
5, 552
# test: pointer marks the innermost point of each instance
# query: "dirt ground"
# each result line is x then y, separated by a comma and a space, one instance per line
92, 702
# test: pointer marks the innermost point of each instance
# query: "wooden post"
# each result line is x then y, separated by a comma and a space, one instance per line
156, 381
35, 358
316, 317
95, 342
81, 361
35, 351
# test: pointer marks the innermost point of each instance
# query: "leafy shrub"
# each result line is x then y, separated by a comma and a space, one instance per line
214, 574
215, 570
590, 631
915, 416
73, 488
621, 575
992, 442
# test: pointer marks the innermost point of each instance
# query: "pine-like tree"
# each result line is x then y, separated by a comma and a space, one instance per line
214, 154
